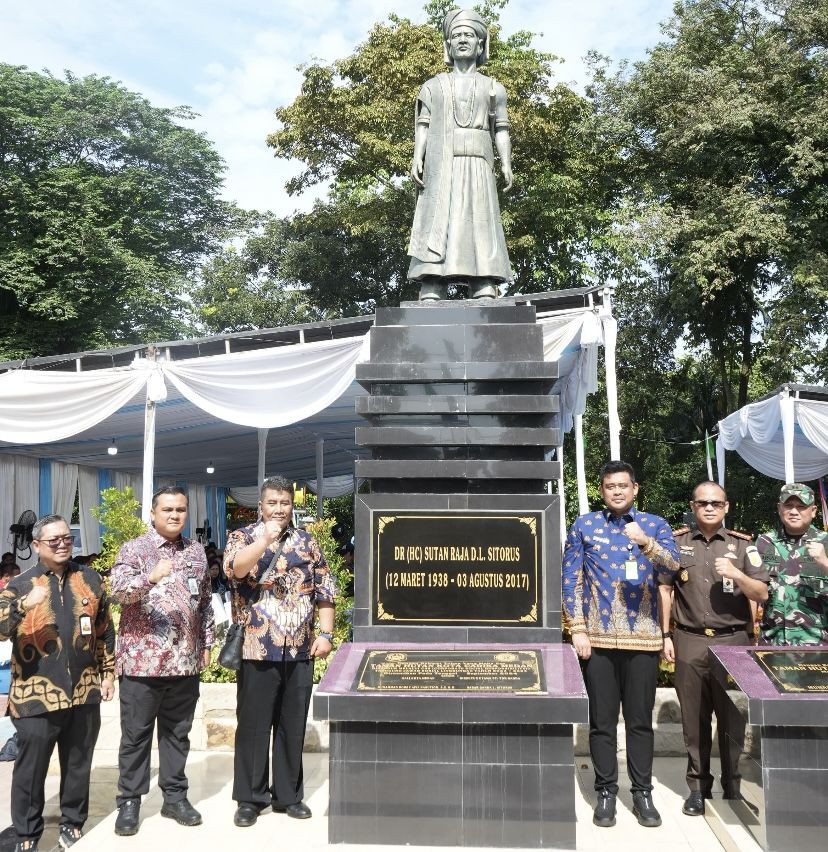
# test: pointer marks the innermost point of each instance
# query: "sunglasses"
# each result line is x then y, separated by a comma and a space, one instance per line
716, 504
54, 543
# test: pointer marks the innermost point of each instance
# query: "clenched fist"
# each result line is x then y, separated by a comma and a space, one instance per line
161, 570
636, 534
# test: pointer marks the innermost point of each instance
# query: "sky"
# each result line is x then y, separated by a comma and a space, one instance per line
235, 61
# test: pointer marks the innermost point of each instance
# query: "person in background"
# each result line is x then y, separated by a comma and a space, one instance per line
346, 551
8, 570
63, 644
710, 601
280, 580
164, 638
609, 592
797, 609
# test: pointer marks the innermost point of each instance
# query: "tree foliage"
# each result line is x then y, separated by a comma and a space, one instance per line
724, 135
239, 288
107, 204
118, 514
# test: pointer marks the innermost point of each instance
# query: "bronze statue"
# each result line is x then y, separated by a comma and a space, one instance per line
460, 118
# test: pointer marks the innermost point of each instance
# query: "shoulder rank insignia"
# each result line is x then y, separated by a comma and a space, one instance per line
741, 535
681, 531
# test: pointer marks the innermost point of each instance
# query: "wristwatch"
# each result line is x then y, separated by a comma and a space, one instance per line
667, 635
326, 635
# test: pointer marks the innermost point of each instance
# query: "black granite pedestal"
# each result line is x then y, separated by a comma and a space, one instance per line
786, 792
451, 714
454, 769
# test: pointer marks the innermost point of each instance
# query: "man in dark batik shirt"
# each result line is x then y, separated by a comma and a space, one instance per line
280, 578
63, 659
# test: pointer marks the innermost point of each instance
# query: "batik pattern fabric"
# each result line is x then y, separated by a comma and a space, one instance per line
283, 594
62, 647
598, 597
164, 626
796, 612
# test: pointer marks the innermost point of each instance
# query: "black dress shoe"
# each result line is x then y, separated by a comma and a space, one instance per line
644, 810
604, 815
298, 811
246, 815
694, 804
182, 812
128, 816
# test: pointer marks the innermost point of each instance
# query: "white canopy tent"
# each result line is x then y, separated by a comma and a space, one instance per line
784, 435
286, 408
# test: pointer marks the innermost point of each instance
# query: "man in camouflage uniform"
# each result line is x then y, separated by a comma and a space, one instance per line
797, 609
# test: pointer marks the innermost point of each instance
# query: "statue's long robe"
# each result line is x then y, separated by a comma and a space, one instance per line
457, 228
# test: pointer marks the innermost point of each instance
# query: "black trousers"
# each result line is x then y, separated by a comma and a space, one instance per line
170, 701
700, 695
614, 679
271, 698
75, 731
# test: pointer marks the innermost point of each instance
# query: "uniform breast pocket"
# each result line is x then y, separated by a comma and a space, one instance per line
687, 561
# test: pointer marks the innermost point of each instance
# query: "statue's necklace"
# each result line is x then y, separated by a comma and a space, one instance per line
470, 115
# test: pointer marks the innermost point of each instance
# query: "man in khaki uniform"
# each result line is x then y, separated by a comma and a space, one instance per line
709, 600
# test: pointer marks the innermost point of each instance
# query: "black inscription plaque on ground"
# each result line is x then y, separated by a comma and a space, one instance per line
454, 671
479, 568
796, 671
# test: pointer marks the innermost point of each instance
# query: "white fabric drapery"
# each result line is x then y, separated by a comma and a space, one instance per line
7, 517
197, 513
268, 388
783, 437
247, 497
265, 388
334, 486
89, 497
64, 488
26, 495
41, 406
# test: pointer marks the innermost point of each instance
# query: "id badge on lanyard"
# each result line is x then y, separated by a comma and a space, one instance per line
630, 566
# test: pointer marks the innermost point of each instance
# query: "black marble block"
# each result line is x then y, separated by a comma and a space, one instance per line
495, 785
786, 793
455, 768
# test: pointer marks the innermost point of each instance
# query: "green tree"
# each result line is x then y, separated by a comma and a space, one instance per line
724, 135
238, 288
107, 205
120, 521
351, 125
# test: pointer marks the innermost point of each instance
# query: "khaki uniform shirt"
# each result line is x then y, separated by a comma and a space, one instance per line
699, 598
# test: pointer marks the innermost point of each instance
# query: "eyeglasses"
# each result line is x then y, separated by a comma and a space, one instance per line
716, 504
54, 543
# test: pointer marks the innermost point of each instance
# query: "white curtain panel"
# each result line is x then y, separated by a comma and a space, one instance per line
268, 388
198, 507
123, 480
755, 432
7, 516
573, 340
334, 486
64, 488
26, 495
247, 496
88, 496
37, 406
812, 416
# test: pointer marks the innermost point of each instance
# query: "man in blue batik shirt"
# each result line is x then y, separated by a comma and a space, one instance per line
609, 595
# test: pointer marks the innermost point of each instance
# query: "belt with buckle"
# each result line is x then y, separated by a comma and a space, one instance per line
713, 631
